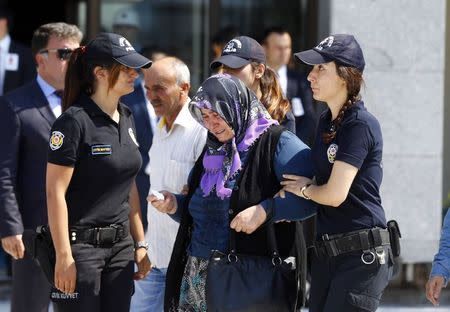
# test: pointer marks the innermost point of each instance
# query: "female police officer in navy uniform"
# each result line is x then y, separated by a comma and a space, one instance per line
92, 199
353, 263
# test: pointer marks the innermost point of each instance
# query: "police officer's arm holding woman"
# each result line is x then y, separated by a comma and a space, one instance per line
347, 153
93, 203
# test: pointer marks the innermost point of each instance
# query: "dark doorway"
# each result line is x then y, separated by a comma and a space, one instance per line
28, 15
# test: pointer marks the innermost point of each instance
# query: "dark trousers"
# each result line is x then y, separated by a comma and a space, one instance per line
30, 288
344, 283
104, 279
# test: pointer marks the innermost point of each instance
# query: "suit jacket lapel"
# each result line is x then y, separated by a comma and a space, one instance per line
41, 103
10, 77
290, 88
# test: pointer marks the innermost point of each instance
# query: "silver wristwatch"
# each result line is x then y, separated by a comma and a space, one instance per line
141, 244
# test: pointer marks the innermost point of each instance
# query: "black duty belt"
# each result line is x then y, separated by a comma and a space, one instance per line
362, 240
107, 235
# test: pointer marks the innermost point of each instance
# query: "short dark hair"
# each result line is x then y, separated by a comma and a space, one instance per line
149, 50
274, 29
42, 35
6, 13
225, 34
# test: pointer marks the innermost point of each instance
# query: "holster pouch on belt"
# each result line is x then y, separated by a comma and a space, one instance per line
394, 235
39, 247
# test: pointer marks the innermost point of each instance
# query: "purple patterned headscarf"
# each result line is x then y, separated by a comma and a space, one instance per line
238, 106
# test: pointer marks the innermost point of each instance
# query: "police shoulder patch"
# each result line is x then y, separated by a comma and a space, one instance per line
331, 152
56, 140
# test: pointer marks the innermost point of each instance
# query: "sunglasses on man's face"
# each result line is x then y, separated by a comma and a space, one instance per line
63, 54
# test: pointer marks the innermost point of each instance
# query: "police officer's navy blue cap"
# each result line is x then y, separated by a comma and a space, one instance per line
107, 47
342, 48
239, 52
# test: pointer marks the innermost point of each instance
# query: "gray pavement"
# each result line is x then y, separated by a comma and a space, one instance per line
394, 300
4, 307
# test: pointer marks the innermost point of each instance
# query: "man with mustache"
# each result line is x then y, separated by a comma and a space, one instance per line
177, 143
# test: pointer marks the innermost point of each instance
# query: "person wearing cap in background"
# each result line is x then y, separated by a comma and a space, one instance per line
126, 23
354, 259
278, 46
219, 40
92, 199
245, 58
26, 116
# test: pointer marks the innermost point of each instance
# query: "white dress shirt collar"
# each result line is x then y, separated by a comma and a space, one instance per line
282, 78
49, 91
183, 119
5, 43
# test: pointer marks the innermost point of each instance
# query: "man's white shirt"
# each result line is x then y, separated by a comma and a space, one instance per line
172, 156
282, 78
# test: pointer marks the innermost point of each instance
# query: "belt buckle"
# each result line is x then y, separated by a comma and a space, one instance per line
119, 231
330, 246
106, 235
97, 236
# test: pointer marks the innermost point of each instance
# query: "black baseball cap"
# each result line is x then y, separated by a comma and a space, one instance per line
239, 52
341, 48
107, 47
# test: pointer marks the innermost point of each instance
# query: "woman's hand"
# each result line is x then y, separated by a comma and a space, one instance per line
433, 289
249, 220
185, 189
294, 184
167, 205
143, 263
65, 274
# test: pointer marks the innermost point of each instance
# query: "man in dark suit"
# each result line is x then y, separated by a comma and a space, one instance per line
16, 62
26, 117
278, 46
144, 122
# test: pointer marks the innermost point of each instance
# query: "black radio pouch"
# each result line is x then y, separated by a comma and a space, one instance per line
394, 236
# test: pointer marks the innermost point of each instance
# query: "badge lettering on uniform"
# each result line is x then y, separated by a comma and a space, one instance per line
56, 140
331, 152
101, 149
297, 107
12, 62
132, 136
